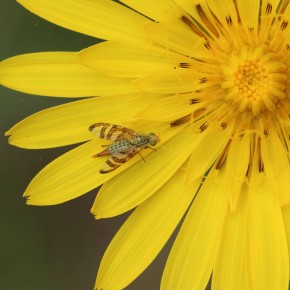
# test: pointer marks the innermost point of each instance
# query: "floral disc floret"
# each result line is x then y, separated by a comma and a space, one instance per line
254, 80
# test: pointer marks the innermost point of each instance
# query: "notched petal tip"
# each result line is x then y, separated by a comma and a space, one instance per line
11, 141
96, 216
15, 142
7, 134
27, 199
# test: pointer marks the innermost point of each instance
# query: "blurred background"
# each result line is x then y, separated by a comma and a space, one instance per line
57, 247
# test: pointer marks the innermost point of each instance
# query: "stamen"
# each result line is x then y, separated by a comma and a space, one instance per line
223, 156
184, 65
192, 26
205, 19
269, 9
194, 101
207, 45
203, 127
229, 21
202, 80
260, 161
224, 125
180, 120
284, 25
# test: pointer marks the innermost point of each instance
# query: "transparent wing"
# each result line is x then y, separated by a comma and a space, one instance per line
111, 131
116, 161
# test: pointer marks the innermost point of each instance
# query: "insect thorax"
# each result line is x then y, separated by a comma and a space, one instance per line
120, 146
127, 145
141, 140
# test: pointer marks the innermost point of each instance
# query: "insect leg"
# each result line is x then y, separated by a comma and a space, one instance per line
141, 156
151, 148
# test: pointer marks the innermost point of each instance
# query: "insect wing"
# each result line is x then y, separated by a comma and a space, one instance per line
111, 131
116, 161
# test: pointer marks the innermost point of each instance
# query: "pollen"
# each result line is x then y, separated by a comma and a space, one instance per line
254, 80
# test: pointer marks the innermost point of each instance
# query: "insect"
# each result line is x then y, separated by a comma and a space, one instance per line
126, 144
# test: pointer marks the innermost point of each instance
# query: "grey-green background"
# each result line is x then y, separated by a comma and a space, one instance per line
56, 247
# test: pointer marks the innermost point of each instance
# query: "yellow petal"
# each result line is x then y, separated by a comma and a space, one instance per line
137, 183
67, 177
286, 218
200, 13
69, 123
76, 172
58, 74
128, 61
249, 13
236, 168
209, 145
285, 8
102, 18
171, 81
277, 168
194, 252
166, 109
144, 234
229, 272
151, 8
283, 5
224, 12
267, 257
268, 13
178, 38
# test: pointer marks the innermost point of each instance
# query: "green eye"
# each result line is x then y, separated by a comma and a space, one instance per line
153, 139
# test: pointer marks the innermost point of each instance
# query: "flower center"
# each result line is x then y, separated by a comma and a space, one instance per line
254, 80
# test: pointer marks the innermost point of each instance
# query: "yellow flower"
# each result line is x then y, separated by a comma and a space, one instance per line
211, 79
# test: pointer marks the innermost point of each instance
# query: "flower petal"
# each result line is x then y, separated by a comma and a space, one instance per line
125, 191
206, 152
249, 17
178, 38
236, 167
58, 74
286, 218
69, 123
267, 257
166, 109
194, 252
224, 12
76, 172
230, 270
103, 18
172, 81
69, 176
151, 8
200, 13
267, 16
141, 238
277, 168
128, 61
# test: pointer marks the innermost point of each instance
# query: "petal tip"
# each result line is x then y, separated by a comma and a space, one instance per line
8, 133
27, 199
94, 213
